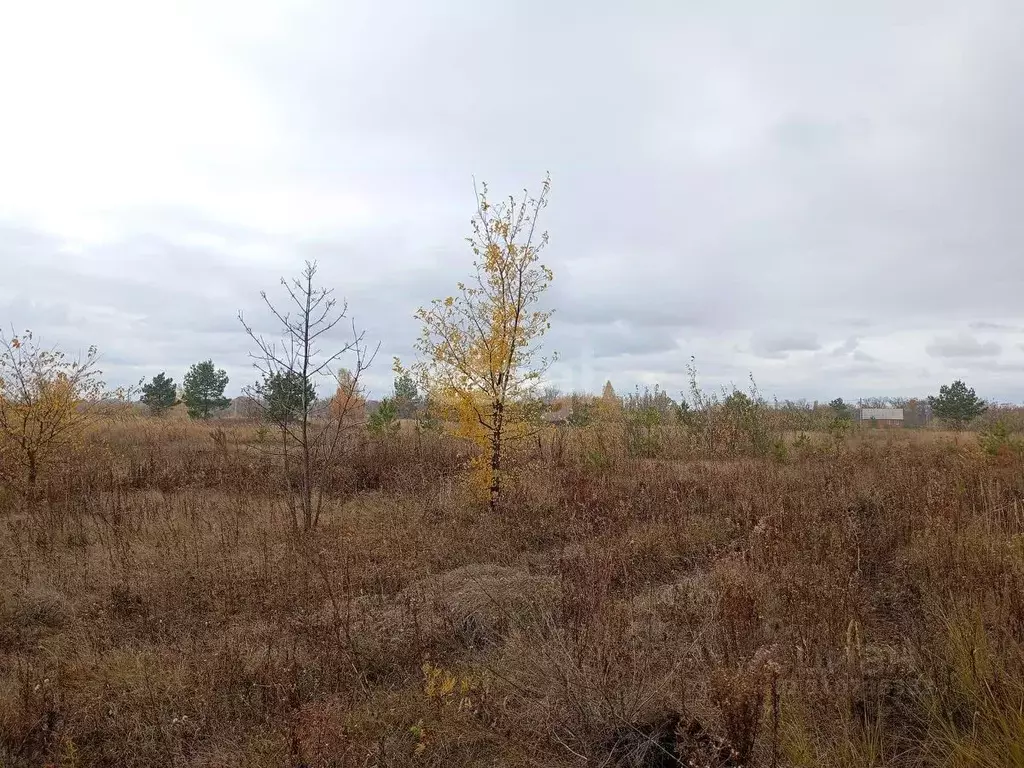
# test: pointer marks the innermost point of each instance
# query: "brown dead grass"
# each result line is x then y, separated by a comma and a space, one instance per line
860, 605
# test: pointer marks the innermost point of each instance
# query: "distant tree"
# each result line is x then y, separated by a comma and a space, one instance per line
644, 410
582, 409
204, 390
349, 401
384, 420
655, 404
956, 404
407, 396
876, 402
160, 395
841, 410
684, 413
912, 416
748, 420
428, 418
737, 402
842, 420
285, 396
549, 395
609, 407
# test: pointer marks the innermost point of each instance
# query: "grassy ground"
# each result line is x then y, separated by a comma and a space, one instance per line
859, 605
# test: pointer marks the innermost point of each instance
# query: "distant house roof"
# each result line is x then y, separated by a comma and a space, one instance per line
886, 414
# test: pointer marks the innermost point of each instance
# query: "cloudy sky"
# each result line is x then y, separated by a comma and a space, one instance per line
828, 195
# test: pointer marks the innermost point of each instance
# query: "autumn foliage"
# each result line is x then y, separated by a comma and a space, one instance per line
45, 400
480, 347
349, 402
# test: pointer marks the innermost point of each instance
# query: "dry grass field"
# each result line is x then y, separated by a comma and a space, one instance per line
853, 604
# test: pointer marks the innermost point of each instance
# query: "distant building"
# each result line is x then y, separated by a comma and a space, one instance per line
882, 417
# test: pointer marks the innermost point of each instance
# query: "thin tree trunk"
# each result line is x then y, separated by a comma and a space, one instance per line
307, 483
495, 471
288, 477
496, 440
32, 471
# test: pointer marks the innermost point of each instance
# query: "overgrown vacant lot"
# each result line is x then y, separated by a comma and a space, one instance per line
858, 605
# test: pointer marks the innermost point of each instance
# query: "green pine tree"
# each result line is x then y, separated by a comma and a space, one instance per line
204, 390
407, 396
840, 410
384, 420
283, 398
160, 395
957, 405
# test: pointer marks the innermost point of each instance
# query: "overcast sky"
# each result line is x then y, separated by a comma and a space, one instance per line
827, 195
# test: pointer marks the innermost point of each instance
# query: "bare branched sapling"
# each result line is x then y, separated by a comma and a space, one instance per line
290, 369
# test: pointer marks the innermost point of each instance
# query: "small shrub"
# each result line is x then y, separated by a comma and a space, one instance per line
998, 441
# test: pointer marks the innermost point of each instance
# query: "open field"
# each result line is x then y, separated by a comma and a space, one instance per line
850, 605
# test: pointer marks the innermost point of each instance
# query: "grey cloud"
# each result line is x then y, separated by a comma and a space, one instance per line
721, 176
983, 325
997, 366
851, 348
862, 368
626, 340
776, 347
808, 134
962, 346
600, 311
847, 347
